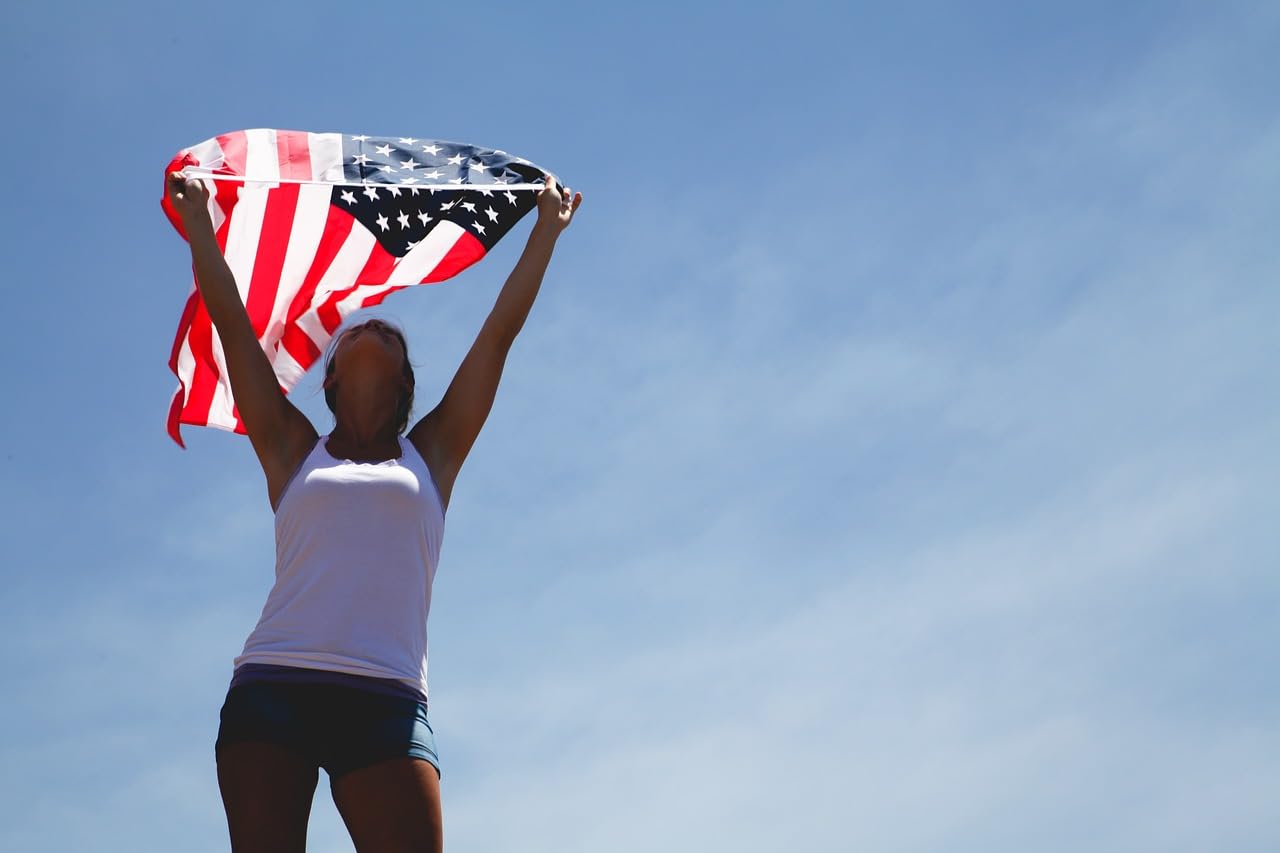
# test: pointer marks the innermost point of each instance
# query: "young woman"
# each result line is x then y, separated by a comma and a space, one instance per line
334, 674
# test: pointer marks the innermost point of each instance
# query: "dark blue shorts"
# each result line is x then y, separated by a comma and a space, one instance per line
335, 727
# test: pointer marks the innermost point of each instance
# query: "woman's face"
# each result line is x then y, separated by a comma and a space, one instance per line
369, 353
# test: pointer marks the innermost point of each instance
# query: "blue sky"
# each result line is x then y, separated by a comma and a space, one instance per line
884, 466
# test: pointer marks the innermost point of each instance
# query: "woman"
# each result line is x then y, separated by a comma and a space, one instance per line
334, 674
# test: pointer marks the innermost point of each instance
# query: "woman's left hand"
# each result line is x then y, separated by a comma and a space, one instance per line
556, 207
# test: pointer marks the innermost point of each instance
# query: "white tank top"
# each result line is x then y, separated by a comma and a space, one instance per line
356, 550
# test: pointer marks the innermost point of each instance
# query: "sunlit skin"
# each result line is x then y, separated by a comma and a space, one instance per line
266, 789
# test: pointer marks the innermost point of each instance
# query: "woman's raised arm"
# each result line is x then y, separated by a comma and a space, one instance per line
445, 435
281, 435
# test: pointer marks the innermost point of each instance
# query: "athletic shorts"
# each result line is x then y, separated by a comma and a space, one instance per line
335, 727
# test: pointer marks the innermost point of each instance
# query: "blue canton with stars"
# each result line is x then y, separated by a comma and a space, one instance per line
409, 185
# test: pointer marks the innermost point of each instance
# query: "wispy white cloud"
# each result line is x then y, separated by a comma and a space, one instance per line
964, 693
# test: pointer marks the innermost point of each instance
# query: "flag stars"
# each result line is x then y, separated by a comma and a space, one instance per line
372, 193
477, 167
349, 197
510, 197
384, 150
491, 213
425, 219
469, 207
433, 150
409, 165
456, 160
360, 138
412, 243
403, 219
388, 168
407, 140
434, 174
362, 159
382, 222
478, 227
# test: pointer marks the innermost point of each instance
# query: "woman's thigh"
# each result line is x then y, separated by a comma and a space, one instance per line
392, 806
267, 791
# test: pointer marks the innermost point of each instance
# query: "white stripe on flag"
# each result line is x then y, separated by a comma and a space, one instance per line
309, 217
427, 255
242, 248
186, 364
496, 186
326, 156
241, 251
304, 240
412, 268
262, 157
288, 371
221, 407
209, 155
346, 265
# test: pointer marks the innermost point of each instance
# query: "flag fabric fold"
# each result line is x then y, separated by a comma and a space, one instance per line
315, 226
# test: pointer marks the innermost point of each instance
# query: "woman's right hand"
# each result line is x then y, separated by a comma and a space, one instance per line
189, 197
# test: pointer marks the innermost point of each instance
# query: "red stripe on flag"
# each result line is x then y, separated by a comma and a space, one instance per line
295, 155
464, 253
177, 164
226, 194
299, 346
175, 412
273, 242
188, 311
204, 378
203, 382
376, 298
377, 269
235, 152
337, 228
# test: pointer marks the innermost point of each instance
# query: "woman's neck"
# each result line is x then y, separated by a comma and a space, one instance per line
364, 442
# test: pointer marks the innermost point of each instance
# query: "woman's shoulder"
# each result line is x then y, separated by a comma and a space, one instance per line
420, 438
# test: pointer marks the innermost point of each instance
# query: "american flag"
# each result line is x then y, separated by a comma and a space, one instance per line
317, 225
